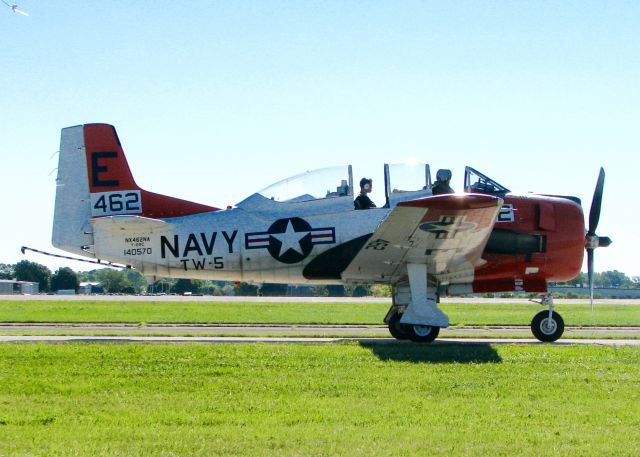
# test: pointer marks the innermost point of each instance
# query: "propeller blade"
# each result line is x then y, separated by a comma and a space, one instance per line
596, 203
590, 253
16, 10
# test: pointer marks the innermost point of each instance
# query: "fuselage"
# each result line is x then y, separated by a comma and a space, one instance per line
536, 239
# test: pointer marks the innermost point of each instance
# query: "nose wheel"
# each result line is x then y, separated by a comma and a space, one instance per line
547, 326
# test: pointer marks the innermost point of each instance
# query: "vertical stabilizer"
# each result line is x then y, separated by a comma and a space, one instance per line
71, 227
94, 180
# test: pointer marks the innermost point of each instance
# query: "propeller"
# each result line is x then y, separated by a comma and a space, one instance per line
593, 241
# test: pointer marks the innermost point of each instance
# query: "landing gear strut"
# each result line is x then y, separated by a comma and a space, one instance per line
547, 326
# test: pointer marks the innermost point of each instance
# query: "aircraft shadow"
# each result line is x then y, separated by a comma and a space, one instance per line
433, 353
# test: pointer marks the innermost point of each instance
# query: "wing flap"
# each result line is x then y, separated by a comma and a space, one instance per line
448, 233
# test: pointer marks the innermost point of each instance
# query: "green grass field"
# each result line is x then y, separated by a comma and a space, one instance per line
296, 313
334, 399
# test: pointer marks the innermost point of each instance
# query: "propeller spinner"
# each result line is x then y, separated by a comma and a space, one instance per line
593, 241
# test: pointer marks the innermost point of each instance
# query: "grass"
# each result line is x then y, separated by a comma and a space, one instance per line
334, 399
296, 313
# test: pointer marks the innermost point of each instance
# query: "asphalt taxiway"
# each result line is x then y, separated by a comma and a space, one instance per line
299, 340
301, 330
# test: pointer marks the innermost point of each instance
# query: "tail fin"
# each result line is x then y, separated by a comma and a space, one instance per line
94, 180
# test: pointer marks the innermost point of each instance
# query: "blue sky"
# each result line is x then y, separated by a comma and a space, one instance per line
215, 100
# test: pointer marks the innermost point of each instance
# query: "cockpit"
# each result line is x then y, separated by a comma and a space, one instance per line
477, 183
402, 182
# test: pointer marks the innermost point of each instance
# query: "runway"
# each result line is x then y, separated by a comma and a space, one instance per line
301, 330
302, 340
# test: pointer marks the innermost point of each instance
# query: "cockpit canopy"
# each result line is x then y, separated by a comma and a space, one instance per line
402, 181
476, 182
312, 185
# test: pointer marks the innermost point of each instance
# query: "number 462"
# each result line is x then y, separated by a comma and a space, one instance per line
116, 202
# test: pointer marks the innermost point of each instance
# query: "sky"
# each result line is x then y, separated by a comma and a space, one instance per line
214, 100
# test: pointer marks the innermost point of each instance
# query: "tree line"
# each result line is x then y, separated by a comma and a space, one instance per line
131, 282
128, 281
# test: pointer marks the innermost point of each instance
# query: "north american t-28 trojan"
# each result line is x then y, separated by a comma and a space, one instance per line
305, 230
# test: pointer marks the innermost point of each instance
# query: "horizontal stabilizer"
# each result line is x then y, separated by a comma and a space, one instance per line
130, 224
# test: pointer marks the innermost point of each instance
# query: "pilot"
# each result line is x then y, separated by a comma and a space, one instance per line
441, 186
363, 201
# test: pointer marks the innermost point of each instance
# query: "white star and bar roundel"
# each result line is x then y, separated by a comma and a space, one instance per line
448, 226
290, 240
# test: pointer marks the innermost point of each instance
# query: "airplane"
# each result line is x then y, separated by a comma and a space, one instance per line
300, 230
15, 9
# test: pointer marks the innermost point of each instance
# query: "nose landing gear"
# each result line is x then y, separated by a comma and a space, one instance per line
547, 326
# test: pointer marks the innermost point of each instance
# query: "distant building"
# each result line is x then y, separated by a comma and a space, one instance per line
65, 292
88, 288
12, 287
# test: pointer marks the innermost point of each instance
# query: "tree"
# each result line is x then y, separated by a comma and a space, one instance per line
161, 286
381, 290
361, 290
273, 290
138, 282
64, 279
33, 272
579, 280
335, 290
88, 276
6, 271
320, 291
209, 288
113, 281
244, 289
228, 290
613, 278
187, 285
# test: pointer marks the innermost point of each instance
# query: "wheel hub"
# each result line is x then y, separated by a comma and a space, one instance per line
422, 330
548, 326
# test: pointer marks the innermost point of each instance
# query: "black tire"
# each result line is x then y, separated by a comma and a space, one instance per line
423, 333
547, 330
398, 331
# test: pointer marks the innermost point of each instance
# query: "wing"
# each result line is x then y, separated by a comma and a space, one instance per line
446, 232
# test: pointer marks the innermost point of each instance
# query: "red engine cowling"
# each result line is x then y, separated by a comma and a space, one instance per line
535, 240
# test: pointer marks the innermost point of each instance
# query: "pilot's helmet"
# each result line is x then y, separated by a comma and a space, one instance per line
443, 175
366, 183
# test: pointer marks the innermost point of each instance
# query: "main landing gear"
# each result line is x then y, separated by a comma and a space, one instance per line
415, 333
547, 326
414, 314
